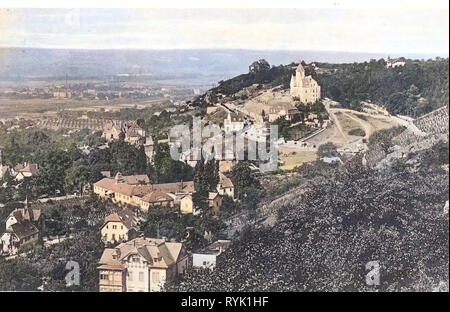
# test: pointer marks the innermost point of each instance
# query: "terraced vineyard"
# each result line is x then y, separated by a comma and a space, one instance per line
62, 123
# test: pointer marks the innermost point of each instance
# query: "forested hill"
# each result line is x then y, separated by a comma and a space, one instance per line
414, 89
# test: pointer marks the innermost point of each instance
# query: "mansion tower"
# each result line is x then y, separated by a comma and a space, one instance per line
303, 87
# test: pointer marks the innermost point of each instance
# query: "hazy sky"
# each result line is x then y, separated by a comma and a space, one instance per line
375, 26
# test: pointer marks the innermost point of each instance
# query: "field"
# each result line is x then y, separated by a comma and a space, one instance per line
36, 108
348, 124
379, 124
292, 157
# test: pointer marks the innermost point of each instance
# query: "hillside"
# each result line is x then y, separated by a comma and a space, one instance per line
326, 231
414, 90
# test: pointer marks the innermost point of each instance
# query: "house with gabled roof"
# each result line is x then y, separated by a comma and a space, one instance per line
141, 265
20, 171
208, 257
139, 192
120, 189
215, 201
21, 228
119, 226
225, 187
28, 171
157, 199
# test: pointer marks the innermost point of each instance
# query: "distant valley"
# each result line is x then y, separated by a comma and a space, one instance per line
193, 67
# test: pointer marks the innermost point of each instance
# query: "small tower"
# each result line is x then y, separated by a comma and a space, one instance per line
300, 71
118, 177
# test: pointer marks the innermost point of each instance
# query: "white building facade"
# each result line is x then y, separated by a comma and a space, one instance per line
303, 87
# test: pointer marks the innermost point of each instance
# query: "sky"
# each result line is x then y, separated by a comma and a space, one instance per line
382, 26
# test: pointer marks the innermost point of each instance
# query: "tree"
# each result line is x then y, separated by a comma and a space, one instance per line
166, 169
242, 179
76, 178
327, 150
283, 127
162, 222
206, 175
355, 105
18, 275
200, 199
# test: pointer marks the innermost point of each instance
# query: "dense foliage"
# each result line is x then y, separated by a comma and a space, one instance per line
63, 168
414, 89
324, 239
165, 169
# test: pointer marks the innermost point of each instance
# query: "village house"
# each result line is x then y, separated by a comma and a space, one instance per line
303, 87
187, 204
397, 62
156, 199
215, 201
119, 226
225, 166
208, 257
225, 187
141, 265
134, 134
120, 188
293, 115
139, 192
18, 172
162, 195
233, 124
112, 132
131, 133
21, 172
21, 228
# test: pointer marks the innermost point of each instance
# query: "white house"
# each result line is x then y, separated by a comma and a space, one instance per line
207, 258
234, 125
225, 186
397, 62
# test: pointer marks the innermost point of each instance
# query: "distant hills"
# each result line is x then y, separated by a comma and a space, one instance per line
24, 64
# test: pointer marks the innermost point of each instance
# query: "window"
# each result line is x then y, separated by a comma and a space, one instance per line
155, 277
114, 227
121, 227
104, 277
141, 276
135, 259
130, 275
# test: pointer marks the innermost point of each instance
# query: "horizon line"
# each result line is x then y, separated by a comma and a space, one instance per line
436, 54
